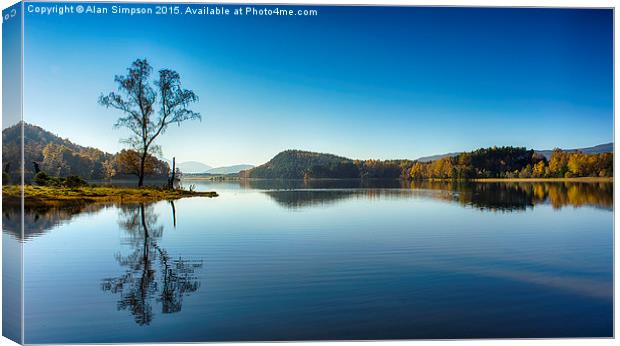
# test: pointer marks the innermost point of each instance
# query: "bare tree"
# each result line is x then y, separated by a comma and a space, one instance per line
149, 107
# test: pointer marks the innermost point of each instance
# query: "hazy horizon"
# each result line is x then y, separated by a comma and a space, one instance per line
360, 82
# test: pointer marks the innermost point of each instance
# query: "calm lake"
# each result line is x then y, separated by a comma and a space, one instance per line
324, 260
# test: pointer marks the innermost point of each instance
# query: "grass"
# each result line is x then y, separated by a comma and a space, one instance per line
47, 195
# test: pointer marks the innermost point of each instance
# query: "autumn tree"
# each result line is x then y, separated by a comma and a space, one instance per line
128, 161
558, 164
418, 171
149, 107
578, 165
538, 171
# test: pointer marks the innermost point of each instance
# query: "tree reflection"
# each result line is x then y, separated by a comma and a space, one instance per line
151, 275
488, 196
514, 196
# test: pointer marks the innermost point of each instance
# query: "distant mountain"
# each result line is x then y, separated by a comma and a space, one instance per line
598, 149
229, 169
192, 167
436, 157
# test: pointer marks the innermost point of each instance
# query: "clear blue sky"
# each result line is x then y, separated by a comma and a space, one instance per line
362, 82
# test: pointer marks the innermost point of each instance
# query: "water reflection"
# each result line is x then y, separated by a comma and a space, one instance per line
297, 194
431, 260
522, 195
265, 184
151, 275
41, 218
505, 197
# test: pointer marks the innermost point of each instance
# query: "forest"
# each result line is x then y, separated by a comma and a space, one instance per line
512, 162
62, 158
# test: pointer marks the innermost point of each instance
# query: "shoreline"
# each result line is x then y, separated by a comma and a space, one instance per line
47, 195
542, 180
478, 180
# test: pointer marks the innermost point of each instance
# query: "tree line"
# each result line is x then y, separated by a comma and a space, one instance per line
514, 162
61, 161
494, 162
364, 169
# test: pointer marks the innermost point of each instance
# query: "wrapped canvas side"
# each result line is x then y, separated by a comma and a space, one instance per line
12, 173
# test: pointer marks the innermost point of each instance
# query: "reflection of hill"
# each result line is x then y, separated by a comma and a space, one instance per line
306, 198
267, 184
40, 219
305, 193
485, 196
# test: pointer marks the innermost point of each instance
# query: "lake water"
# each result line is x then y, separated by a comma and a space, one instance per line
324, 260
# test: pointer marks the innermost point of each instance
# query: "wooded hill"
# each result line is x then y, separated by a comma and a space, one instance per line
60, 157
298, 164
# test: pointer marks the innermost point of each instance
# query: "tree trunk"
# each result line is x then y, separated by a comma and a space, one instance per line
174, 169
141, 173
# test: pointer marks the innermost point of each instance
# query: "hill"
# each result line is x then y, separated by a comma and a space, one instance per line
192, 167
298, 164
598, 149
59, 156
436, 157
229, 169
294, 164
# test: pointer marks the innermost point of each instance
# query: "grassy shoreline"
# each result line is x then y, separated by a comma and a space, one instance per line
46, 195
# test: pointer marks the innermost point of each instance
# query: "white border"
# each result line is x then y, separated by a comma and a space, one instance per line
469, 3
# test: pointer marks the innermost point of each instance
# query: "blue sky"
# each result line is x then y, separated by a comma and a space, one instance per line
362, 82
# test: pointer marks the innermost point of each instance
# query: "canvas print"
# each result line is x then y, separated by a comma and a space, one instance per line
244, 172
